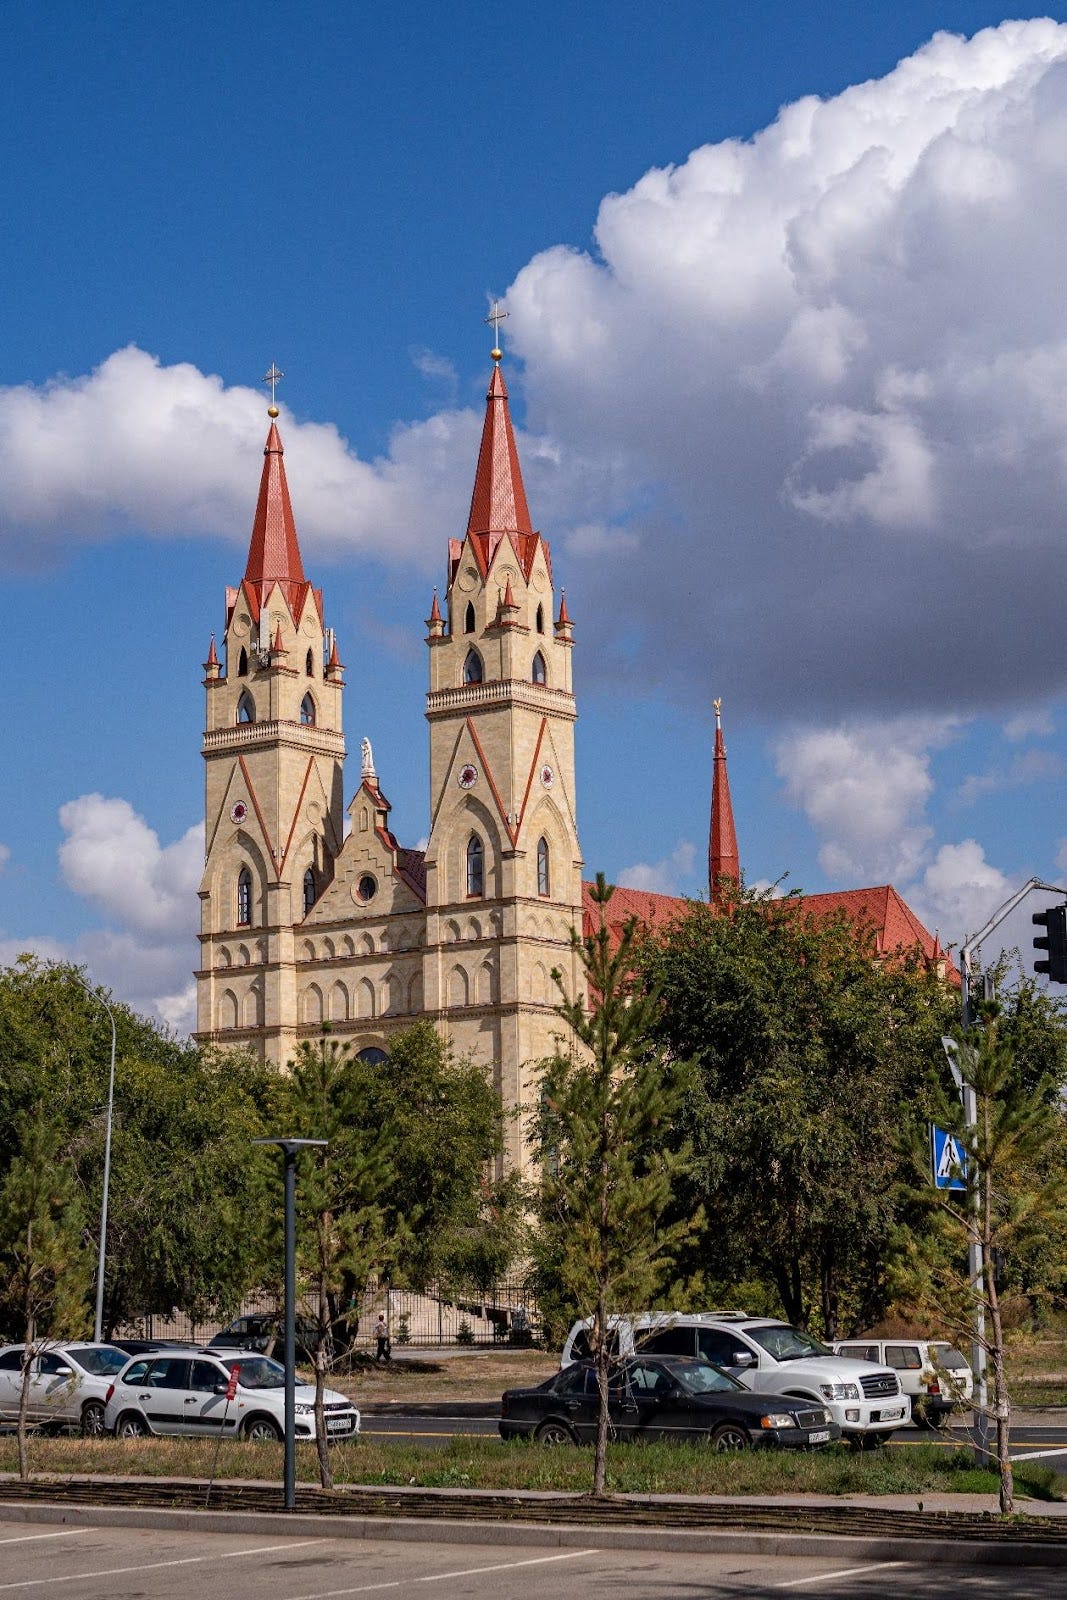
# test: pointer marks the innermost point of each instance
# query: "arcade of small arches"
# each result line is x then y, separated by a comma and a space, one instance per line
246, 709
474, 668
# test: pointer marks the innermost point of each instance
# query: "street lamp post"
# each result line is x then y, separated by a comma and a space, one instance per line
290, 1149
98, 1325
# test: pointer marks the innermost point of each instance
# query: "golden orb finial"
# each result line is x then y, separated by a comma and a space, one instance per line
496, 353
272, 411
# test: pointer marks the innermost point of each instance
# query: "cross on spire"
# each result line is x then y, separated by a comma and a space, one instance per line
496, 317
272, 377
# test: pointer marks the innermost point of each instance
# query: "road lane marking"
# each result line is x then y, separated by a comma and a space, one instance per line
1039, 1455
842, 1572
442, 1577
24, 1538
149, 1566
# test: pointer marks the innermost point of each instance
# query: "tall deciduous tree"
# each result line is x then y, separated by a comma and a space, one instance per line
807, 1043
45, 1266
607, 1177
347, 1228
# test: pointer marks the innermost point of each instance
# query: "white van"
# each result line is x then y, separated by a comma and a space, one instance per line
935, 1376
768, 1356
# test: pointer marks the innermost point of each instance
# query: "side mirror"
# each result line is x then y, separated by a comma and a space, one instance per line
64, 1372
220, 1388
743, 1358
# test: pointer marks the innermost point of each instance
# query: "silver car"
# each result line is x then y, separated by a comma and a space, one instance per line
238, 1394
69, 1384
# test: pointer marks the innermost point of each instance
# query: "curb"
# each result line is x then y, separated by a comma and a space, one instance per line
932, 1551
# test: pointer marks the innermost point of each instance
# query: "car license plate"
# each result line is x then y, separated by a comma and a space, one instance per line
820, 1437
338, 1424
888, 1416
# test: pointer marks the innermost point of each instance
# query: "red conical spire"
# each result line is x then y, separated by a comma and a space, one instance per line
435, 609
212, 655
723, 859
274, 552
498, 504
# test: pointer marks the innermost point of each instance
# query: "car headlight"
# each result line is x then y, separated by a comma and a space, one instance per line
304, 1411
839, 1391
778, 1419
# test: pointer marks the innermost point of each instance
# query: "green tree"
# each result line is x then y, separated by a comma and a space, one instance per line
1016, 1193
806, 1042
185, 1224
45, 1268
345, 1231
606, 1175
446, 1126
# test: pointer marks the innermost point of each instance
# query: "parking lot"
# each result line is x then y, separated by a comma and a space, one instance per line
170, 1564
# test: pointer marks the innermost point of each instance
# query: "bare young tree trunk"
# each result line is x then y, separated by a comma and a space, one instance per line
600, 1458
322, 1355
1001, 1406
27, 1360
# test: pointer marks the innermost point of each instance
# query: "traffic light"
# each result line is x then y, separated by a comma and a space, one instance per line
1055, 942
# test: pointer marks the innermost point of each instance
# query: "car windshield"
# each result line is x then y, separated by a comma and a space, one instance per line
101, 1360
257, 1372
700, 1377
948, 1358
785, 1343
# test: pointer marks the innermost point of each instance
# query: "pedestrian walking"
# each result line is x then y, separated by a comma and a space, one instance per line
381, 1333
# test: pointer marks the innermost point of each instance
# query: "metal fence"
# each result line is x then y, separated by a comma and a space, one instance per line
442, 1316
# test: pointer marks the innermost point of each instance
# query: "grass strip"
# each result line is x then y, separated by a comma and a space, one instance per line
485, 1463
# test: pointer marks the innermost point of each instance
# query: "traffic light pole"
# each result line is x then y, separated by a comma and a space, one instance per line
976, 1267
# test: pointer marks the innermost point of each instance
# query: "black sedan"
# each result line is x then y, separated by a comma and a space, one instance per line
663, 1397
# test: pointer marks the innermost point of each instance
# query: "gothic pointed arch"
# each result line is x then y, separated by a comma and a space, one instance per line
475, 867
544, 867
244, 898
469, 621
473, 669
310, 890
242, 663
538, 670
246, 708
307, 711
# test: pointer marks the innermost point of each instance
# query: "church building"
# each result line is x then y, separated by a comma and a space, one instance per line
301, 924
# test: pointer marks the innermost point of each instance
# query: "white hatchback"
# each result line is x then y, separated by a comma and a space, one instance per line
68, 1384
196, 1396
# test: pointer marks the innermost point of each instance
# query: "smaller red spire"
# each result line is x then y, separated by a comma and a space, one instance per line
509, 598
278, 648
212, 655
723, 860
435, 609
335, 660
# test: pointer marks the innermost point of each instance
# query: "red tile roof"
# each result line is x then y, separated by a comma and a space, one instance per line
894, 924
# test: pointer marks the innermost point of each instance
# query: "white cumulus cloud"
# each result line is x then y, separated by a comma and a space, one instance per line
672, 875
959, 891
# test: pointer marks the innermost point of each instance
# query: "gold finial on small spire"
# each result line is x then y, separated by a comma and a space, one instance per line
272, 377
496, 317
718, 712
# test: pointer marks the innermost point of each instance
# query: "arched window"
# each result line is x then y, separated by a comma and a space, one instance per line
468, 618
246, 708
544, 883
242, 663
472, 668
540, 619
538, 672
373, 1055
244, 898
309, 889
475, 866
309, 664
307, 711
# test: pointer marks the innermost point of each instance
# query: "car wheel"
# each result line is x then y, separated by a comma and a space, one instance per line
731, 1436
131, 1426
261, 1430
92, 1420
554, 1433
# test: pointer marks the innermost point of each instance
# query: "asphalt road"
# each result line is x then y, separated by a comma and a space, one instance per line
1038, 1442
164, 1564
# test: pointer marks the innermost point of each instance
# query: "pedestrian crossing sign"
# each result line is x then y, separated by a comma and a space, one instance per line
949, 1159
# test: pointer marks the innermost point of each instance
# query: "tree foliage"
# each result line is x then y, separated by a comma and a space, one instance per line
807, 1045
607, 1174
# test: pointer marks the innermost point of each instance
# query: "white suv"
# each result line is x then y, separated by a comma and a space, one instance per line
933, 1374
769, 1357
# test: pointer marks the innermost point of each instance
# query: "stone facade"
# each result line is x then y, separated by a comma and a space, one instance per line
299, 924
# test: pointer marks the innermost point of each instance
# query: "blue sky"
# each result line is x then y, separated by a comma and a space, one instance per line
792, 386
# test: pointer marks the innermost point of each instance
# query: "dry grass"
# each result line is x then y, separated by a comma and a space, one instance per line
483, 1375
484, 1463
